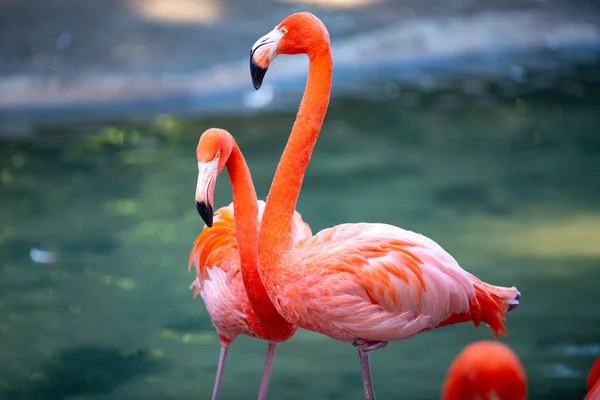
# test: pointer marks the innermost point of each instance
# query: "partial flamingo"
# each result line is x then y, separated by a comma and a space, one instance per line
593, 383
486, 370
230, 239
363, 283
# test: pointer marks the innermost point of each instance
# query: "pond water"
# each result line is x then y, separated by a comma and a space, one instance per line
97, 220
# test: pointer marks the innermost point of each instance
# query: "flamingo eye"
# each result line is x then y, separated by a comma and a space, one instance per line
218, 154
283, 31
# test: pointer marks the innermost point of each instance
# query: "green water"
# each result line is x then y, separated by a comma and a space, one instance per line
510, 189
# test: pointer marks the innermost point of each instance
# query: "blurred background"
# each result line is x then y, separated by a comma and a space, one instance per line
475, 123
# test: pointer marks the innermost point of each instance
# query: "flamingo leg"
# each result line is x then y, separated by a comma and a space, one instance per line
220, 369
264, 383
366, 374
364, 348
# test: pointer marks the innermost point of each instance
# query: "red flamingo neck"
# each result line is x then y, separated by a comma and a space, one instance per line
263, 318
245, 209
275, 236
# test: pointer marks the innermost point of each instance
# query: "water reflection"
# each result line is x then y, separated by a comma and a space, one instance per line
510, 190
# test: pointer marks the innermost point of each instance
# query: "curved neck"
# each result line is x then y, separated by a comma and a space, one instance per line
265, 319
245, 209
276, 227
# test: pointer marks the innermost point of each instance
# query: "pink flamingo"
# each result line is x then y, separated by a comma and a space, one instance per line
486, 370
217, 255
363, 283
593, 383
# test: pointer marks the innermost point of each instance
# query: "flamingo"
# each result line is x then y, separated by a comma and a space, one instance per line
593, 383
230, 238
364, 283
486, 370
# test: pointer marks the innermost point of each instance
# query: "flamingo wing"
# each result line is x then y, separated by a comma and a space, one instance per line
218, 281
381, 282
216, 246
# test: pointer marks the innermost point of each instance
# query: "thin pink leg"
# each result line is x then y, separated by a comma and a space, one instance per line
366, 374
364, 348
264, 383
220, 369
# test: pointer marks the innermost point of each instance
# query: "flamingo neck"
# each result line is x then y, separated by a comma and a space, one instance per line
263, 318
275, 237
245, 210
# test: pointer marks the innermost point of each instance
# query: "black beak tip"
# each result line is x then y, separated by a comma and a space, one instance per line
206, 212
257, 73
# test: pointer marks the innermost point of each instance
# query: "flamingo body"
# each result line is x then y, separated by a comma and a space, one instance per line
486, 370
378, 282
218, 279
226, 255
361, 283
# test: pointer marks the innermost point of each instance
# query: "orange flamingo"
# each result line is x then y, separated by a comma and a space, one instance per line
486, 370
363, 283
228, 242
593, 383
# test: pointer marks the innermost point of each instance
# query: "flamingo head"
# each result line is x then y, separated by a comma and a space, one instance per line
299, 33
214, 148
486, 369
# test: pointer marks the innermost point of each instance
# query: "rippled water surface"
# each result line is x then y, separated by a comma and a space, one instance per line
96, 224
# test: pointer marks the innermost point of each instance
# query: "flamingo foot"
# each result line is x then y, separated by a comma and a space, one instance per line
369, 345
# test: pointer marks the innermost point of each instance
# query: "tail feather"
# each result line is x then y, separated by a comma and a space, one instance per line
490, 305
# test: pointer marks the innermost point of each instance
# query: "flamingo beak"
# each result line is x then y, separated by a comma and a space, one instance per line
261, 55
205, 190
